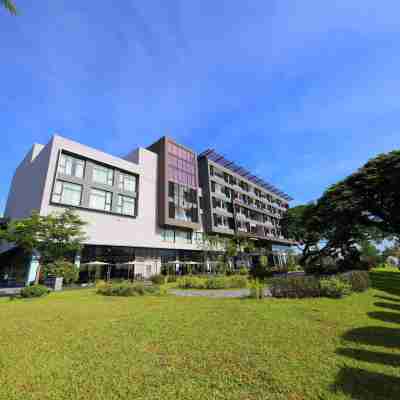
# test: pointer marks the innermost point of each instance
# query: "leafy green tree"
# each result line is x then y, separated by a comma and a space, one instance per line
62, 268
370, 254
370, 197
391, 251
10, 6
53, 236
302, 224
362, 207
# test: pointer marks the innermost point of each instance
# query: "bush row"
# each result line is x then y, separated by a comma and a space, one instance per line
162, 279
311, 286
125, 289
212, 282
34, 291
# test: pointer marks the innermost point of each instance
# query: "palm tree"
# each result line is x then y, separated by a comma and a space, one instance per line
9, 5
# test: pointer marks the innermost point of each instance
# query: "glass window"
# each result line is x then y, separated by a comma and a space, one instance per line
103, 175
183, 236
100, 200
182, 202
126, 205
127, 182
71, 166
67, 193
168, 235
181, 165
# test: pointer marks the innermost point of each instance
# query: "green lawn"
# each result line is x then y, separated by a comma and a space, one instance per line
79, 345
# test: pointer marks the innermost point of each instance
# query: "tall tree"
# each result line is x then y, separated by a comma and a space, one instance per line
10, 6
360, 208
369, 197
302, 224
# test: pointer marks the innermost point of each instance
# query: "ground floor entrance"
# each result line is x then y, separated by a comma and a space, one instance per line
132, 263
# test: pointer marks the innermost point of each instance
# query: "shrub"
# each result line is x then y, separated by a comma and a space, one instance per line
34, 291
64, 269
191, 282
334, 287
158, 279
238, 281
295, 287
358, 280
243, 271
212, 282
256, 290
217, 282
171, 278
126, 289
100, 283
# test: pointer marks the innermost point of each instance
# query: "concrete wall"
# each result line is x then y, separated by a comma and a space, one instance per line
28, 183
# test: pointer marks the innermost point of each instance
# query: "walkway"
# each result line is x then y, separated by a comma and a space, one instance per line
9, 291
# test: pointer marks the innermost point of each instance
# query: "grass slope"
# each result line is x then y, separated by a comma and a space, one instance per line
79, 345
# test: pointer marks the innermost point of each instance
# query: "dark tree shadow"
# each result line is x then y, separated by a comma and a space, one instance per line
375, 357
388, 282
385, 316
387, 298
366, 385
375, 336
390, 306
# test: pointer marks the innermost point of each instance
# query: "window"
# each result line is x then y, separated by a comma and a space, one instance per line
100, 200
168, 235
71, 166
198, 236
182, 203
127, 182
103, 175
126, 205
183, 236
67, 193
181, 165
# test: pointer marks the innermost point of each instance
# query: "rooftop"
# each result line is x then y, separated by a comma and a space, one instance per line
221, 160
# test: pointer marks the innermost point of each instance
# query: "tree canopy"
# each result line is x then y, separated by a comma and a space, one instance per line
10, 6
53, 236
370, 196
362, 207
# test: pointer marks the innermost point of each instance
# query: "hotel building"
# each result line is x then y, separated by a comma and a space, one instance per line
147, 209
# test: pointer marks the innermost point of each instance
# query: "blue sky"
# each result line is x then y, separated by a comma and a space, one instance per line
300, 92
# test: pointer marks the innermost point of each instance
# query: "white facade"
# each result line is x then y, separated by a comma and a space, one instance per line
34, 179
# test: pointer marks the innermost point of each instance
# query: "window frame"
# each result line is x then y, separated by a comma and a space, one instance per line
60, 193
120, 207
109, 182
107, 203
123, 177
75, 161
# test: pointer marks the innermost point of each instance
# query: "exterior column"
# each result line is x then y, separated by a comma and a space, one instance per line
77, 260
33, 268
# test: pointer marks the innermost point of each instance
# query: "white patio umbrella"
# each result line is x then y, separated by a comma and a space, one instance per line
96, 263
